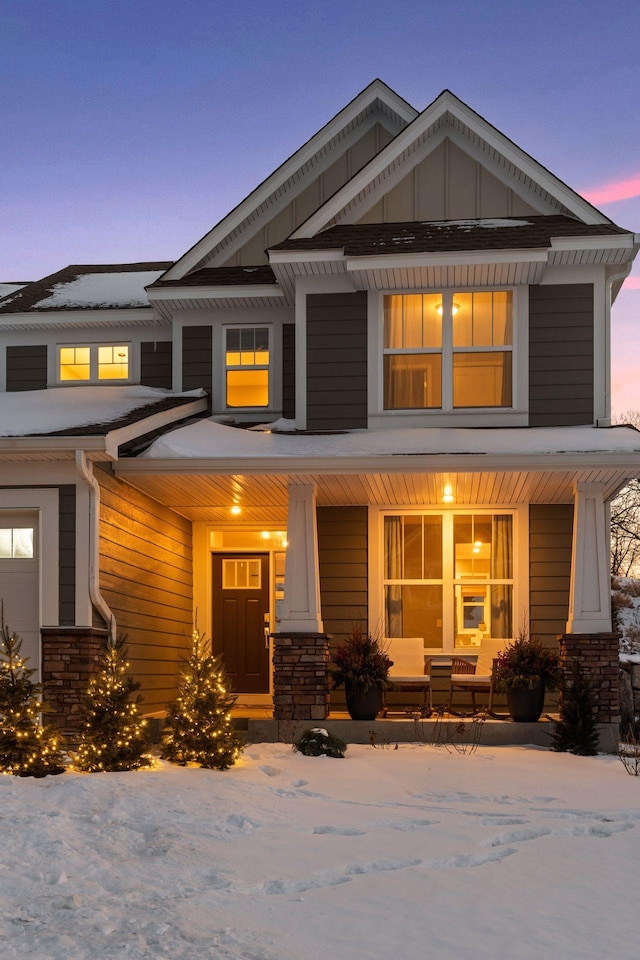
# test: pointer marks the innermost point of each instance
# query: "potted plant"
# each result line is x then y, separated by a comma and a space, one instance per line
525, 669
362, 665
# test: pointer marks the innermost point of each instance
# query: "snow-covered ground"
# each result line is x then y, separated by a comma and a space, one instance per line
403, 854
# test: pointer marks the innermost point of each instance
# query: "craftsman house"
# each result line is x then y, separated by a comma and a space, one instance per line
377, 391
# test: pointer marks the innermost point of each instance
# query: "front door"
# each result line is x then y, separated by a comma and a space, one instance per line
240, 616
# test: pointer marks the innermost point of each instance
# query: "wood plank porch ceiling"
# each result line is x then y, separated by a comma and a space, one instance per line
263, 498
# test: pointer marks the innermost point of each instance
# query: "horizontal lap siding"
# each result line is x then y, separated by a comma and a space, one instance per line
156, 364
337, 361
26, 368
197, 358
561, 355
146, 577
550, 537
342, 547
289, 370
67, 554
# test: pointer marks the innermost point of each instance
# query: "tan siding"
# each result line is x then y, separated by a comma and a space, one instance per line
146, 577
431, 179
550, 533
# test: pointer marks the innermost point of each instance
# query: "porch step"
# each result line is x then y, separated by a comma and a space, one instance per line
388, 732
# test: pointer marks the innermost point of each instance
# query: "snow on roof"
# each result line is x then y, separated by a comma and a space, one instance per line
36, 412
102, 290
210, 439
7, 288
485, 224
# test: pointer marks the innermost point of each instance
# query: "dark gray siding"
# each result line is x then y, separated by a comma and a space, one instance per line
550, 535
289, 370
155, 364
27, 368
342, 548
67, 550
197, 359
561, 355
337, 361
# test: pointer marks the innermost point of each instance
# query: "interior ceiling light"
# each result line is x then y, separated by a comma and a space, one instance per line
454, 308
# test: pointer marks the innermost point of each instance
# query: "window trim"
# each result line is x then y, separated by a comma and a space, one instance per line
94, 349
268, 367
376, 578
516, 415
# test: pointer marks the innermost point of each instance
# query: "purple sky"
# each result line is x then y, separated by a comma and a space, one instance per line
130, 127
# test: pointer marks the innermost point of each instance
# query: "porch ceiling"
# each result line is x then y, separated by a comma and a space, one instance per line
263, 497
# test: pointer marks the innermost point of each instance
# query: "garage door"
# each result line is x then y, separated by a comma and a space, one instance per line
19, 583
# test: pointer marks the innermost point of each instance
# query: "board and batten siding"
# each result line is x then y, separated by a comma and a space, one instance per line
342, 550
26, 368
550, 542
337, 361
146, 577
156, 364
561, 357
197, 358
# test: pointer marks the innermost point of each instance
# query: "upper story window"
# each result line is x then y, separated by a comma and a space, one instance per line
93, 363
247, 356
448, 350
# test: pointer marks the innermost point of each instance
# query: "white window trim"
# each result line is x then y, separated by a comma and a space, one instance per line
93, 347
516, 415
270, 367
520, 513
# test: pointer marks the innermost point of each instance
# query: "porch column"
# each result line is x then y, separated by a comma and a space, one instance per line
589, 597
301, 608
301, 648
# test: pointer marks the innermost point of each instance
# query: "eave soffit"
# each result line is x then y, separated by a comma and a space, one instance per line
376, 99
448, 116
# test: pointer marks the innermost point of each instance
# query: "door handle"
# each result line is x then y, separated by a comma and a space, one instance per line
266, 638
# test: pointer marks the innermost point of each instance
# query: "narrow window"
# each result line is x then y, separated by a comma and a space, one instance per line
482, 349
247, 366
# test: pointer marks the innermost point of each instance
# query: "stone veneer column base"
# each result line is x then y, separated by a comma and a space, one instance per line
70, 657
598, 653
300, 676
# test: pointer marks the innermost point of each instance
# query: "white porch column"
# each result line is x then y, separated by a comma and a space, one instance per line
301, 609
589, 598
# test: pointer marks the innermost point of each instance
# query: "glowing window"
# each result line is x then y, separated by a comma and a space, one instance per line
113, 363
93, 363
247, 366
75, 363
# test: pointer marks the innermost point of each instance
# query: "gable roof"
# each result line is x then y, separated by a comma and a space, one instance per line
450, 113
376, 95
87, 287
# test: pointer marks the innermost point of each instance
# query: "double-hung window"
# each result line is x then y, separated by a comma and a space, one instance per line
448, 350
448, 577
93, 363
247, 356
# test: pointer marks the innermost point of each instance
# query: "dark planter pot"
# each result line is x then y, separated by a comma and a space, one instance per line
363, 705
525, 706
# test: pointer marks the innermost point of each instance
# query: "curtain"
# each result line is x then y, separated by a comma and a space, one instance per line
393, 571
501, 569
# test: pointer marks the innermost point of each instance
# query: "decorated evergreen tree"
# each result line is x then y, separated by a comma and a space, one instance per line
199, 727
113, 734
576, 731
28, 748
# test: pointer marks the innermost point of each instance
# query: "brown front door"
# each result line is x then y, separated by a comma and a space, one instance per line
240, 615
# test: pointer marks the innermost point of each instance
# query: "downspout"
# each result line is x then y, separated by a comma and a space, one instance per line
85, 471
609, 282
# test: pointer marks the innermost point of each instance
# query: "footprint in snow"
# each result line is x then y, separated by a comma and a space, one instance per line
339, 831
380, 866
299, 783
603, 829
470, 859
270, 771
405, 825
516, 836
272, 887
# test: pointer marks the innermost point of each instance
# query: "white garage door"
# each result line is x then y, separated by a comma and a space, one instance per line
19, 585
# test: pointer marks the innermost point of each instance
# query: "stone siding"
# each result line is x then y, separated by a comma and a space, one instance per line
598, 653
70, 657
301, 676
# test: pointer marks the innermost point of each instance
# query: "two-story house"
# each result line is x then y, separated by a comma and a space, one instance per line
378, 391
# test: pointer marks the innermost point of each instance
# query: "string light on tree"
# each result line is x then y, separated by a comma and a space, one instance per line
113, 734
199, 727
28, 748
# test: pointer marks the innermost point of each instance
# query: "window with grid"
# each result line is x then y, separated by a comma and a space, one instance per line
93, 363
247, 366
448, 350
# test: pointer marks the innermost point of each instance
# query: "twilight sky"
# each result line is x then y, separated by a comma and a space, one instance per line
128, 128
